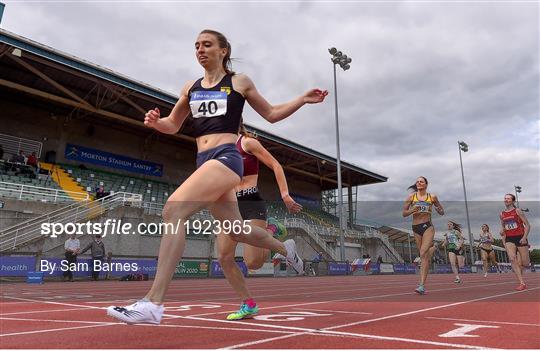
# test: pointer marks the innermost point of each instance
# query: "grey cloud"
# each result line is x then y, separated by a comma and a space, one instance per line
423, 76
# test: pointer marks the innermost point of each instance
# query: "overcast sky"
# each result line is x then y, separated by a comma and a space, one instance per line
424, 75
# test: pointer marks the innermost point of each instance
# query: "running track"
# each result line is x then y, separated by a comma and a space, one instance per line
350, 312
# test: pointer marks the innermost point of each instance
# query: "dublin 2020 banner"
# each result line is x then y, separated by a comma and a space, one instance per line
107, 159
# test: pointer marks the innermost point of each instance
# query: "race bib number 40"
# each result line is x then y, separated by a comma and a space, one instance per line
208, 103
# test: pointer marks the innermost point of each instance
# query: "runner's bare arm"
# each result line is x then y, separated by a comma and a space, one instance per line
172, 123
275, 113
438, 207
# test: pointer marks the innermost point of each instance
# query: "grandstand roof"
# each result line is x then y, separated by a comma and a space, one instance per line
82, 88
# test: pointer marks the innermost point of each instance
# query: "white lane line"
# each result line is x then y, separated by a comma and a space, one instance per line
149, 325
263, 308
43, 311
204, 290
53, 302
483, 321
332, 329
70, 304
317, 310
57, 329
429, 309
367, 336
351, 299
128, 301
56, 320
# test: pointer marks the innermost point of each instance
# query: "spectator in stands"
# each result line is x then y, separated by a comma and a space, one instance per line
72, 247
317, 258
100, 192
32, 160
17, 158
97, 250
1, 152
379, 260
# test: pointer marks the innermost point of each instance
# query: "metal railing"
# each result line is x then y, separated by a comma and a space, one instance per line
27, 231
390, 247
155, 208
152, 208
369, 233
312, 231
36, 193
12, 145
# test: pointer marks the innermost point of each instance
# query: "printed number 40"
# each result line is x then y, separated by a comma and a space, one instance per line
211, 109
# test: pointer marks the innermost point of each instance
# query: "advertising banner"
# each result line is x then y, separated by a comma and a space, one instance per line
338, 268
16, 266
192, 269
386, 268
216, 270
107, 159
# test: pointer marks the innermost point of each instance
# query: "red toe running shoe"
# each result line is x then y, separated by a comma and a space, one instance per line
521, 287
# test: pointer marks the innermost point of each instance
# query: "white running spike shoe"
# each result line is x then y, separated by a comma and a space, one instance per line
292, 257
142, 311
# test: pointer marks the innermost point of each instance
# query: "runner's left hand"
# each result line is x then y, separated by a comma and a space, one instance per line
315, 96
292, 206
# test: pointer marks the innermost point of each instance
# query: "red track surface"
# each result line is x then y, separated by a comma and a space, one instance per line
323, 312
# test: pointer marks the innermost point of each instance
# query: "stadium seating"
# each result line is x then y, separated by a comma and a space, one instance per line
91, 179
44, 182
309, 215
11, 188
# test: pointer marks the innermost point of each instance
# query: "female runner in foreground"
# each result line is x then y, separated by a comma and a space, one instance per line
515, 228
419, 205
253, 208
215, 102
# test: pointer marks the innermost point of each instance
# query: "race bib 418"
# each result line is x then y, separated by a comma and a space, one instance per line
510, 225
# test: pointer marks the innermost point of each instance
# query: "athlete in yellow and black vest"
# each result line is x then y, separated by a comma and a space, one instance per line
419, 204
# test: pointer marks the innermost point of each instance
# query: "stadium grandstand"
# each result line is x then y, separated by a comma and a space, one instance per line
85, 124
